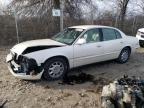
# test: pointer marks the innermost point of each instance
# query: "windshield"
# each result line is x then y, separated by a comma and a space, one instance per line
68, 36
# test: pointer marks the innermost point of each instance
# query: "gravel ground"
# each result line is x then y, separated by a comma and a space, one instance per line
44, 94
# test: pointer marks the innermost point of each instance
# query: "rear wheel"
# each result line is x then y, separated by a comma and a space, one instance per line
55, 69
124, 55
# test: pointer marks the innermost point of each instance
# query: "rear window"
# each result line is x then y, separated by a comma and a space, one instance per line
109, 34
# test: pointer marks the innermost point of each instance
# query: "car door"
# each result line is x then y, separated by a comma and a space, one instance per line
91, 51
112, 43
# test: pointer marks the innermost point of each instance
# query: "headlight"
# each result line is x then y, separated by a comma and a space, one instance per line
138, 33
9, 58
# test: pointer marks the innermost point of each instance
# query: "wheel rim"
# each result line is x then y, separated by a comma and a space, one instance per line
125, 55
56, 69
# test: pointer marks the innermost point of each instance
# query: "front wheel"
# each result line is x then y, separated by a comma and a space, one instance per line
124, 55
55, 69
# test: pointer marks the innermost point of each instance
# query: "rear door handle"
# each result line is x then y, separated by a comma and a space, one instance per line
121, 42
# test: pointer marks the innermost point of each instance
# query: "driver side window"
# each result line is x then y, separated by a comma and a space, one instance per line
92, 36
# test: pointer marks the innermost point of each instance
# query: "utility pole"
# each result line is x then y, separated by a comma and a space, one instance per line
59, 7
56, 17
61, 15
92, 15
116, 21
16, 23
134, 24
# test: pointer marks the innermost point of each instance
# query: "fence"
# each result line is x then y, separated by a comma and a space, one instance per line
33, 28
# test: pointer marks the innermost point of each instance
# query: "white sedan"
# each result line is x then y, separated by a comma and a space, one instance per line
140, 36
75, 46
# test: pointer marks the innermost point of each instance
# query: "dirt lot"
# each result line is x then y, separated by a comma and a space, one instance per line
43, 94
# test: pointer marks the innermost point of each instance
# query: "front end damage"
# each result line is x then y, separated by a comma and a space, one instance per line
23, 67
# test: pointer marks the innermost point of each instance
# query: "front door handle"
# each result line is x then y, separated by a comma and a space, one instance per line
99, 46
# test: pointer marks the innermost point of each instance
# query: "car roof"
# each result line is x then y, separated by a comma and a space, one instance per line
90, 26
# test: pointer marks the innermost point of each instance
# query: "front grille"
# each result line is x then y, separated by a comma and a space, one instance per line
142, 36
15, 58
12, 67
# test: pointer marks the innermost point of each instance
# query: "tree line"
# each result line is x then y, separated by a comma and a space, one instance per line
35, 18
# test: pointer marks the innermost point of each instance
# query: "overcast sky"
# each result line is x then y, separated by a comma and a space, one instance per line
5, 2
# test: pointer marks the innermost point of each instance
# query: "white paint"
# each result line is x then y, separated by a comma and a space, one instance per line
56, 12
19, 48
139, 35
78, 55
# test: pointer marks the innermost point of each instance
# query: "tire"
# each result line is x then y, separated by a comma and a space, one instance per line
124, 55
55, 69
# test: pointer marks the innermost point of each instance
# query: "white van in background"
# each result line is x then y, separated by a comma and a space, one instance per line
140, 36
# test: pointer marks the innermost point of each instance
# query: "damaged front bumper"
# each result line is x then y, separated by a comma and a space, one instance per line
23, 68
24, 76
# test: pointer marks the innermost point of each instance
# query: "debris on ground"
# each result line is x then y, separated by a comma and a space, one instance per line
83, 95
3, 103
47, 87
101, 81
77, 79
125, 92
42, 94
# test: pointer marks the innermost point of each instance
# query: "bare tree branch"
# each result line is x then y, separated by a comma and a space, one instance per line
122, 5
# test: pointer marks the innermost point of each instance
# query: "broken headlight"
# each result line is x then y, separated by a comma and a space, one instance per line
27, 65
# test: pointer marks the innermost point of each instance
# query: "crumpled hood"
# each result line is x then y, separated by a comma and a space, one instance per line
19, 48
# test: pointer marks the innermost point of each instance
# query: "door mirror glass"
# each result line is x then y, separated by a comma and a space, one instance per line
81, 41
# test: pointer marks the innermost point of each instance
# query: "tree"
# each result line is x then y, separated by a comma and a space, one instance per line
2, 8
122, 5
141, 6
42, 9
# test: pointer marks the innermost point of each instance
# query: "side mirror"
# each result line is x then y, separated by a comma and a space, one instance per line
81, 41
